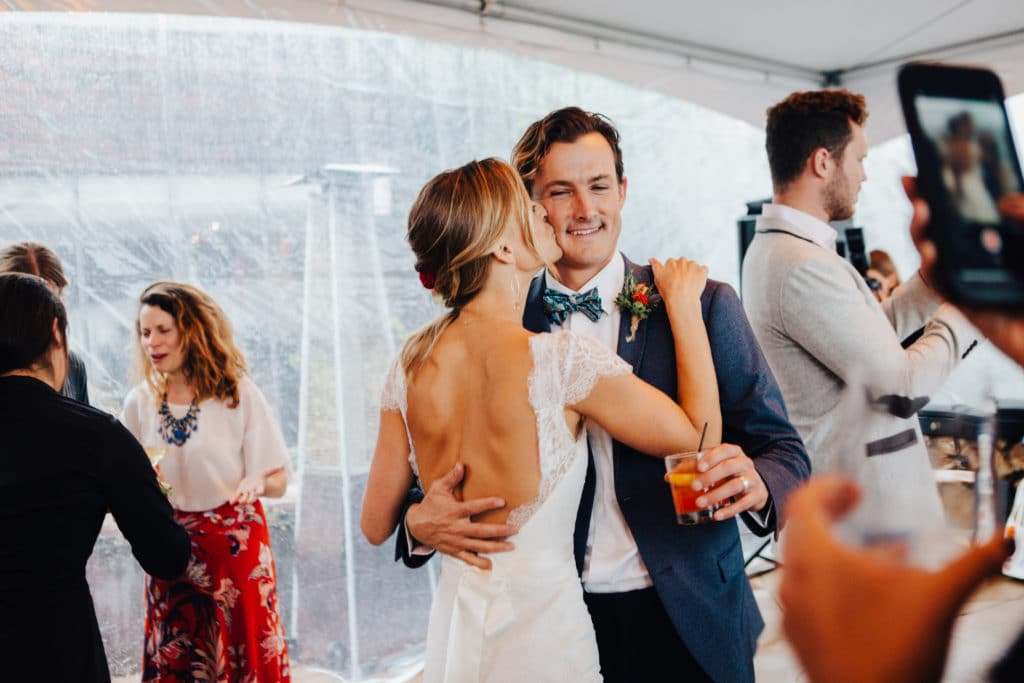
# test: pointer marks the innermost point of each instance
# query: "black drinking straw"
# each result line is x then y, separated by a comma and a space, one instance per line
702, 433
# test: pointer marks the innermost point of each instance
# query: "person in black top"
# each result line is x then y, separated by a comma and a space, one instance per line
35, 259
63, 465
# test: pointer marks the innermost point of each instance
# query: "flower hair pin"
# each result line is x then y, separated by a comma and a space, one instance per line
638, 299
427, 279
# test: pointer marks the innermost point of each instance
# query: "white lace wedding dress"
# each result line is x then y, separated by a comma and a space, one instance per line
525, 620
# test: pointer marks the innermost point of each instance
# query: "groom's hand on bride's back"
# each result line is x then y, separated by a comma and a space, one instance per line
1005, 329
444, 523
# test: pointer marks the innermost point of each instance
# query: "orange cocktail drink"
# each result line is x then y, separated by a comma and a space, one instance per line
682, 472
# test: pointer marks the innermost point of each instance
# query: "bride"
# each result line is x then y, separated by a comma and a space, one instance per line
474, 387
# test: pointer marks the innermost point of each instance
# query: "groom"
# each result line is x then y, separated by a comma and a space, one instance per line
665, 599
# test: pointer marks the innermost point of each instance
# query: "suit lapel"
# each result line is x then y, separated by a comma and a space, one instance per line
632, 351
534, 318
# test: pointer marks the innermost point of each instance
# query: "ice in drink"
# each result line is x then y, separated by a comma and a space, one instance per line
682, 471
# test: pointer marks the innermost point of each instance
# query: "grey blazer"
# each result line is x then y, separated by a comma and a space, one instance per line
820, 327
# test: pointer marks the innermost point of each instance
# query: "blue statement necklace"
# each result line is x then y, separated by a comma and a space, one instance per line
175, 431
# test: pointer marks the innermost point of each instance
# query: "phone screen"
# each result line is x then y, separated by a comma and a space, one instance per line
971, 141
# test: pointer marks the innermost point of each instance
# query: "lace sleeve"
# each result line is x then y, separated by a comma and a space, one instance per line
393, 395
393, 398
584, 361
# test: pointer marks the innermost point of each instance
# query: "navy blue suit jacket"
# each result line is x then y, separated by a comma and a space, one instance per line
697, 570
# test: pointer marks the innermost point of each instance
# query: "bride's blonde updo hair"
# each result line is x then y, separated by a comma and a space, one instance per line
454, 224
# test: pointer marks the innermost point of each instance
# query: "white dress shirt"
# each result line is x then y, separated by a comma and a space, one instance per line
815, 229
612, 563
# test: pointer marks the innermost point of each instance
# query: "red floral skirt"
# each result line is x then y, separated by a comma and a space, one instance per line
219, 622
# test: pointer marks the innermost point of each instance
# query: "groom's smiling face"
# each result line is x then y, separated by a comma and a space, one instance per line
577, 185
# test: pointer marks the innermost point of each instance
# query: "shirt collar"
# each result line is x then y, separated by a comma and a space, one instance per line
815, 229
608, 282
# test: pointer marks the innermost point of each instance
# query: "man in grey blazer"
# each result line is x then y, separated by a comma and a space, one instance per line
668, 602
820, 325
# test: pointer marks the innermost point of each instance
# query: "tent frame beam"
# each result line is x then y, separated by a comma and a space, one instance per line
495, 9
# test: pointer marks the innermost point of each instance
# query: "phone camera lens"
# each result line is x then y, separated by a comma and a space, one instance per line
991, 241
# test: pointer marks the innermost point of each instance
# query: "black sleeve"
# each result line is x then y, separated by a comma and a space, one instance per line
402, 550
76, 385
141, 510
1009, 668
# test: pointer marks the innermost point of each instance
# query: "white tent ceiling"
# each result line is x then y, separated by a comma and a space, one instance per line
735, 56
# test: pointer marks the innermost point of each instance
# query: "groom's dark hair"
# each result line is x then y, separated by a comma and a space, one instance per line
564, 125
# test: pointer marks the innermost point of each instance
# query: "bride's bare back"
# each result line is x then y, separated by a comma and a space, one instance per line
469, 403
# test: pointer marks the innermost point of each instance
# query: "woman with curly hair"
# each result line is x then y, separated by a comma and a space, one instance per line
219, 450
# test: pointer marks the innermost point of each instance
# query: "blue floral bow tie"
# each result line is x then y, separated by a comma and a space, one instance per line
558, 306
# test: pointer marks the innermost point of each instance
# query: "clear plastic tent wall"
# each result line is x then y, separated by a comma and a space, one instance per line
273, 164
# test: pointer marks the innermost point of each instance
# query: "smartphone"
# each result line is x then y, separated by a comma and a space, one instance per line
966, 165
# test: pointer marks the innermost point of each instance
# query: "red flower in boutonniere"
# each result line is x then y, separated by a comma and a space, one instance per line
638, 299
640, 294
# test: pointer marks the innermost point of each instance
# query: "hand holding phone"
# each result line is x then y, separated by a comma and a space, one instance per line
969, 173
1003, 328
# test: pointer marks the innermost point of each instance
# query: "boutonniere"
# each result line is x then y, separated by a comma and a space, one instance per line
638, 299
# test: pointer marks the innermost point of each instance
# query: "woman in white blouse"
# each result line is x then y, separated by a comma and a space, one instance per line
219, 450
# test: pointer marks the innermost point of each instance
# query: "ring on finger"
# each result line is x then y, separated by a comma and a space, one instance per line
746, 484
